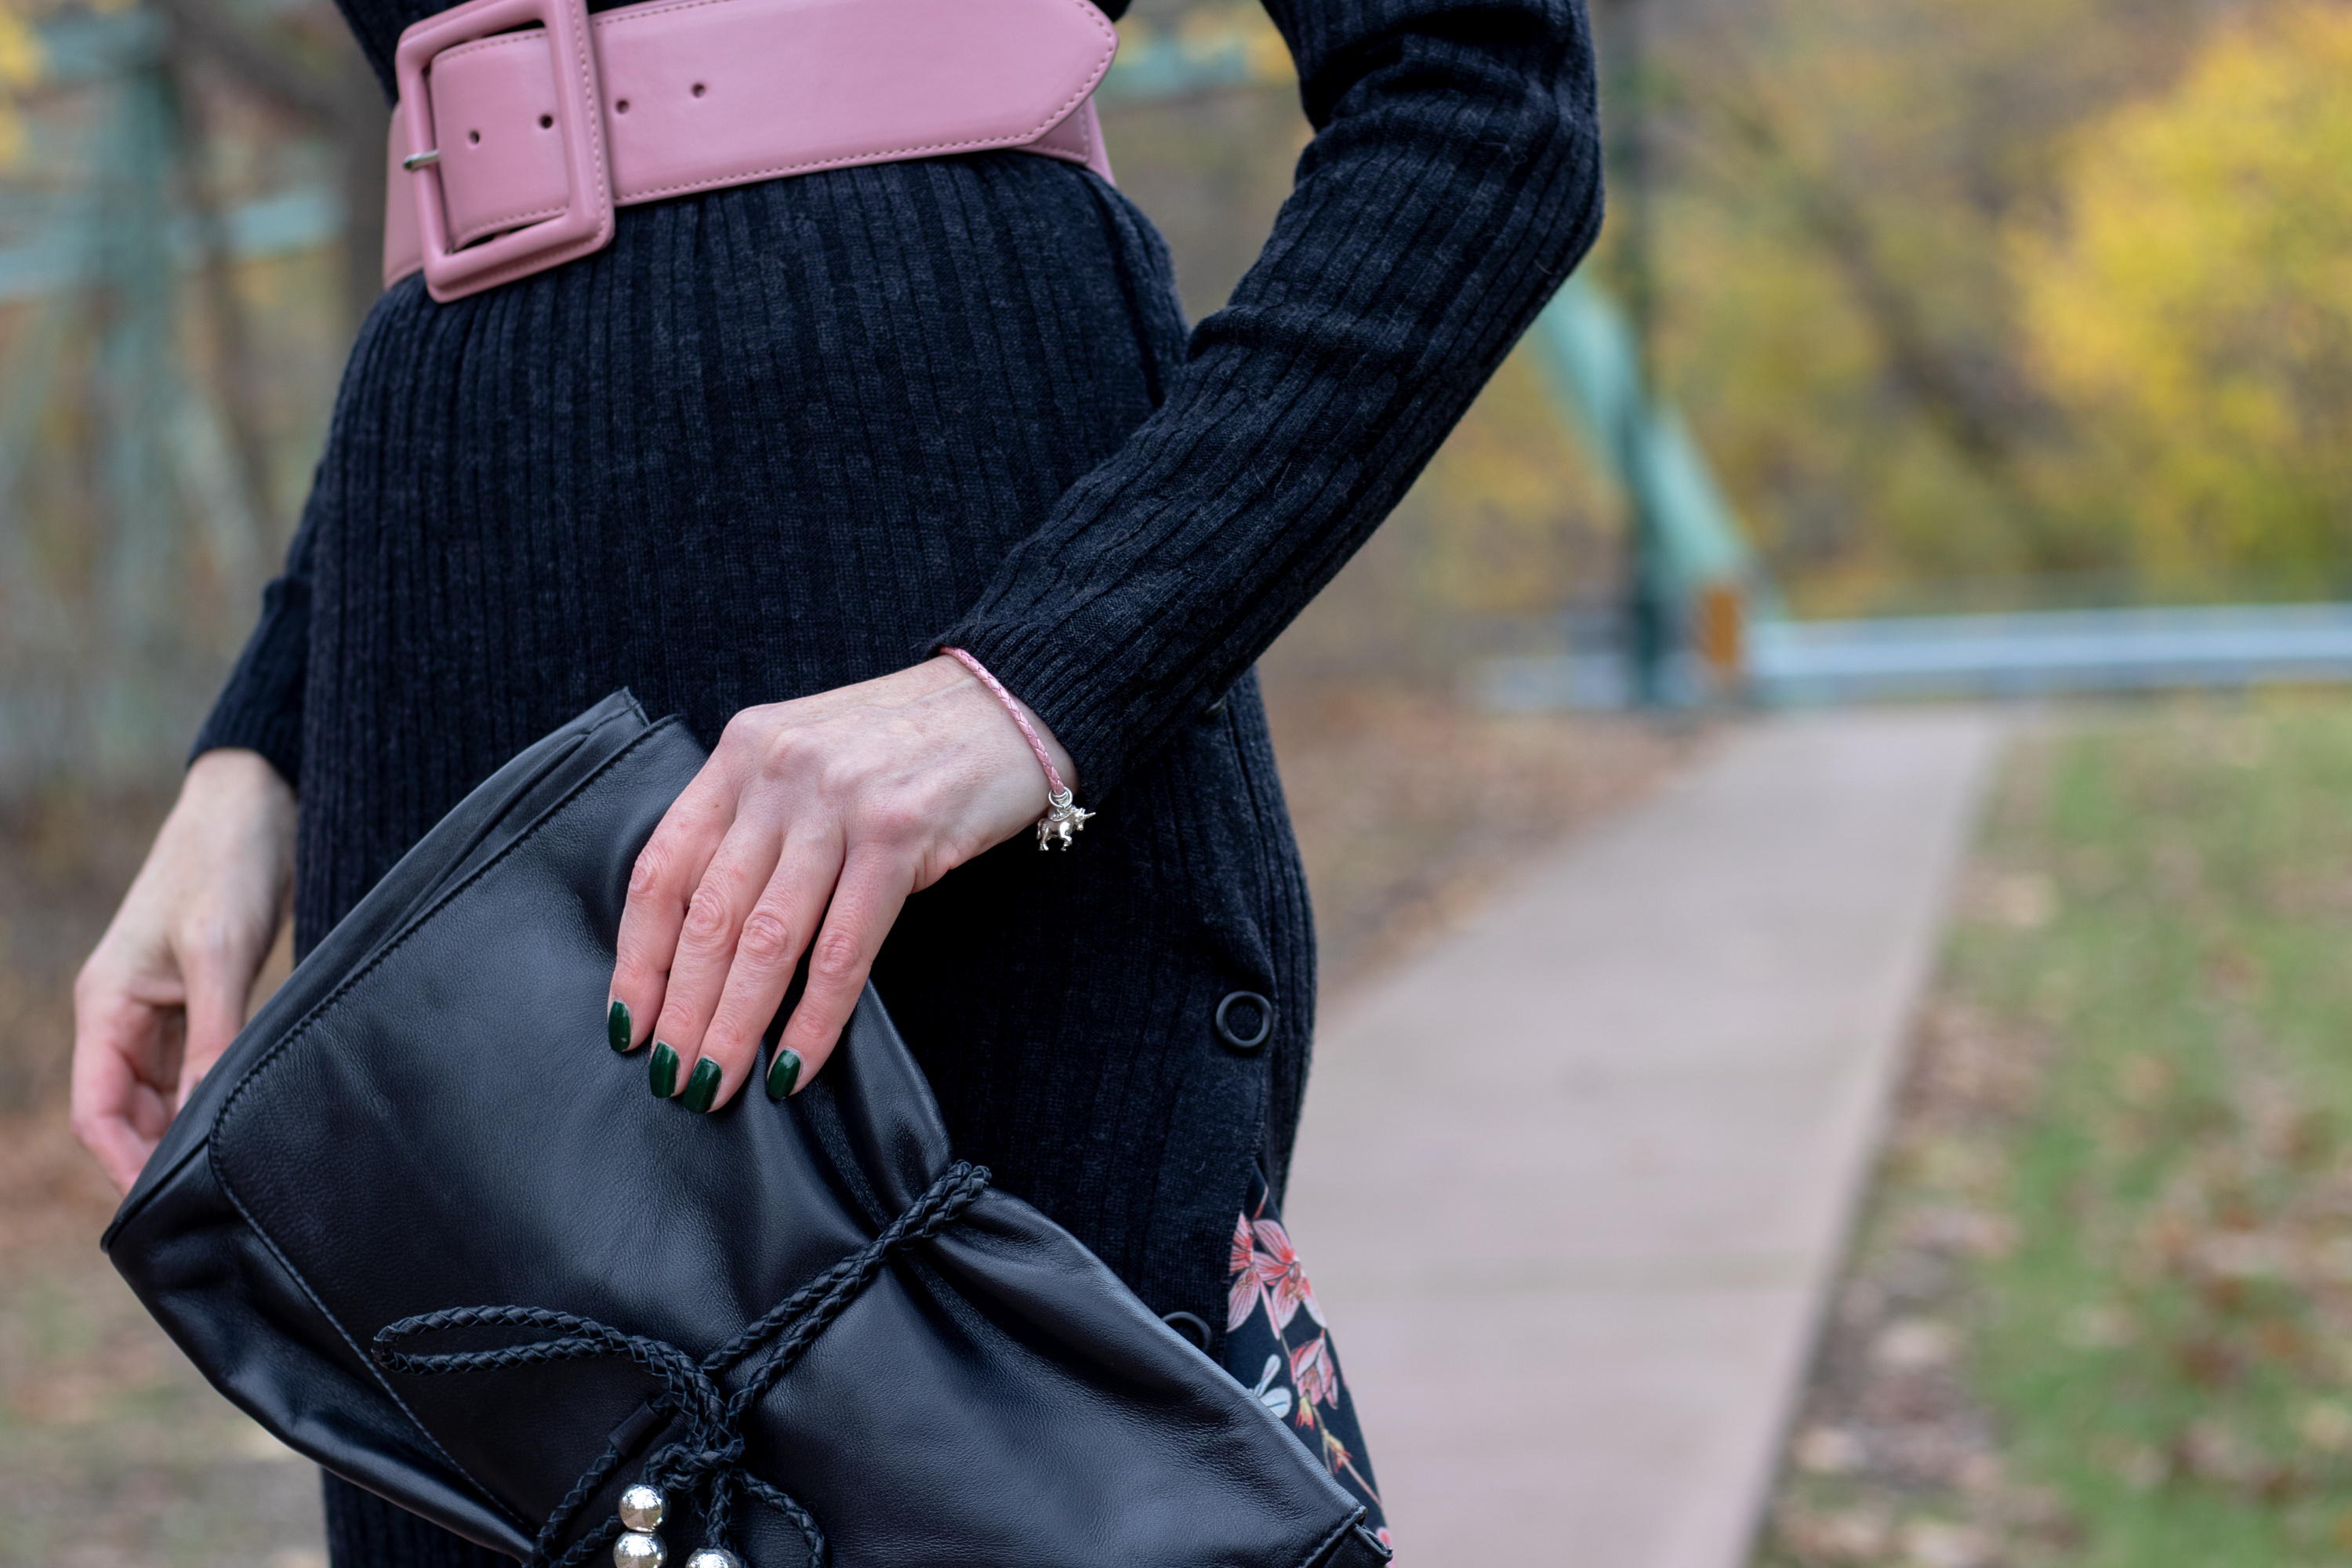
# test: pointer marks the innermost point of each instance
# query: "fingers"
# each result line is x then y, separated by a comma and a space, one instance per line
873, 886
217, 965
126, 1061
819, 816
767, 950
708, 939
664, 879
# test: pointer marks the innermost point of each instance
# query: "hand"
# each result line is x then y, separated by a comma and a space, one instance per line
807, 829
166, 991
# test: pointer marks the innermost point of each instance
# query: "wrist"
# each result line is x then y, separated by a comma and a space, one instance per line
1064, 815
234, 802
1002, 698
232, 773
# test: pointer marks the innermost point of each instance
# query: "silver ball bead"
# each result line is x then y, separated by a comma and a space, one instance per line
714, 1557
642, 1507
638, 1548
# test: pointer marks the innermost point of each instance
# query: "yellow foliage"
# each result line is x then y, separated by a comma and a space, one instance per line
1245, 26
21, 64
1514, 512
2194, 306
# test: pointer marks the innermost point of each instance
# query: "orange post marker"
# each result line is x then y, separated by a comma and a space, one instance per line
1722, 630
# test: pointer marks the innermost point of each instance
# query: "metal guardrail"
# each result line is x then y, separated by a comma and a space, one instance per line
2054, 651
1991, 655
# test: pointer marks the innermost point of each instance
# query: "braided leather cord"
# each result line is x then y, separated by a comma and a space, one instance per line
707, 1459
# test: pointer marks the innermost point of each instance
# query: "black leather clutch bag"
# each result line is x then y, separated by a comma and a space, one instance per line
429, 1230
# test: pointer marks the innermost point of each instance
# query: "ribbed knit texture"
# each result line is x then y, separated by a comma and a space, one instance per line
786, 437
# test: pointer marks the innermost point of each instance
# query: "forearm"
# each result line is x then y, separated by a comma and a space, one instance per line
260, 708
1454, 181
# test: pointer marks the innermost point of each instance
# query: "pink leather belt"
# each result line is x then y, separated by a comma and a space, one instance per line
510, 148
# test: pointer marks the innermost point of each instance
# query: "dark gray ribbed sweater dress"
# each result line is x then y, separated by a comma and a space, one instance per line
781, 438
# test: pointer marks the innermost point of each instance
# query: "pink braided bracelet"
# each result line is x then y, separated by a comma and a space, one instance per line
1063, 816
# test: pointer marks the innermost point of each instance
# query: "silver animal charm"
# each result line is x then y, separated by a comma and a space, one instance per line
1066, 818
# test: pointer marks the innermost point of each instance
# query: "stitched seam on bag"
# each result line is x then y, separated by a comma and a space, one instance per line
374, 1371
278, 1053
202, 1149
396, 943
1324, 1547
308, 1020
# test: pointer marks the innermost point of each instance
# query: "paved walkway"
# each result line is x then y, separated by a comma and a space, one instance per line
1572, 1184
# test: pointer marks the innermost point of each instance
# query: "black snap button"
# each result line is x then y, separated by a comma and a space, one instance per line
1244, 1021
1217, 709
1192, 1325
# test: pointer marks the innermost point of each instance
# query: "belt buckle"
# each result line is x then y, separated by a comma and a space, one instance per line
585, 225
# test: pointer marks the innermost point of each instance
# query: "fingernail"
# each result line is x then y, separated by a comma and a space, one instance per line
616, 1025
703, 1087
662, 1071
783, 1073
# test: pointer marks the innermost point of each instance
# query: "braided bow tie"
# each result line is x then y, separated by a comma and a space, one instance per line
706, 1461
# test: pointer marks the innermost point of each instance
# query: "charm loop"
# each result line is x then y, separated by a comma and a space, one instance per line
1063, 819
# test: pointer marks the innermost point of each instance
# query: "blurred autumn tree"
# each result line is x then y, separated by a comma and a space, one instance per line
1839, 315
2192, 308
1971, 302
2007, 301
20, 66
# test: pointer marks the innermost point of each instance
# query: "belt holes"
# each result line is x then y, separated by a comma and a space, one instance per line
622, 107
699, 90
547, 123
473, 138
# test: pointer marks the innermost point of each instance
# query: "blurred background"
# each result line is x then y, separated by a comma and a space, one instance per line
1934, 349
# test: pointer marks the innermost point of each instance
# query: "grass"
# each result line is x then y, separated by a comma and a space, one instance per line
2135, 1084
2170, 1342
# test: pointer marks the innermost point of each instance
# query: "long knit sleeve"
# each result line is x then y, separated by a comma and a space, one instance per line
261, 707
1452, 181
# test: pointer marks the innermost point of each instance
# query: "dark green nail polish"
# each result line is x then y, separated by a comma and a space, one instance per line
662, 1071
616, 1025
783, 1073
703, 1087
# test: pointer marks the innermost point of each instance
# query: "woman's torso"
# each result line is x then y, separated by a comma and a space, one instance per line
771, 441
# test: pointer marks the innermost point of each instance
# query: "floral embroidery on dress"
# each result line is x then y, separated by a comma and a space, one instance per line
1281, 1275
1242, 1295
1270, 1308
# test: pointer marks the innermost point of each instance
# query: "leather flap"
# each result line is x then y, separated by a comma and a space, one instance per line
438, 1123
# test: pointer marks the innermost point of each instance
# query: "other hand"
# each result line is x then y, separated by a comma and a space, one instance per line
166, 991
806, 831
